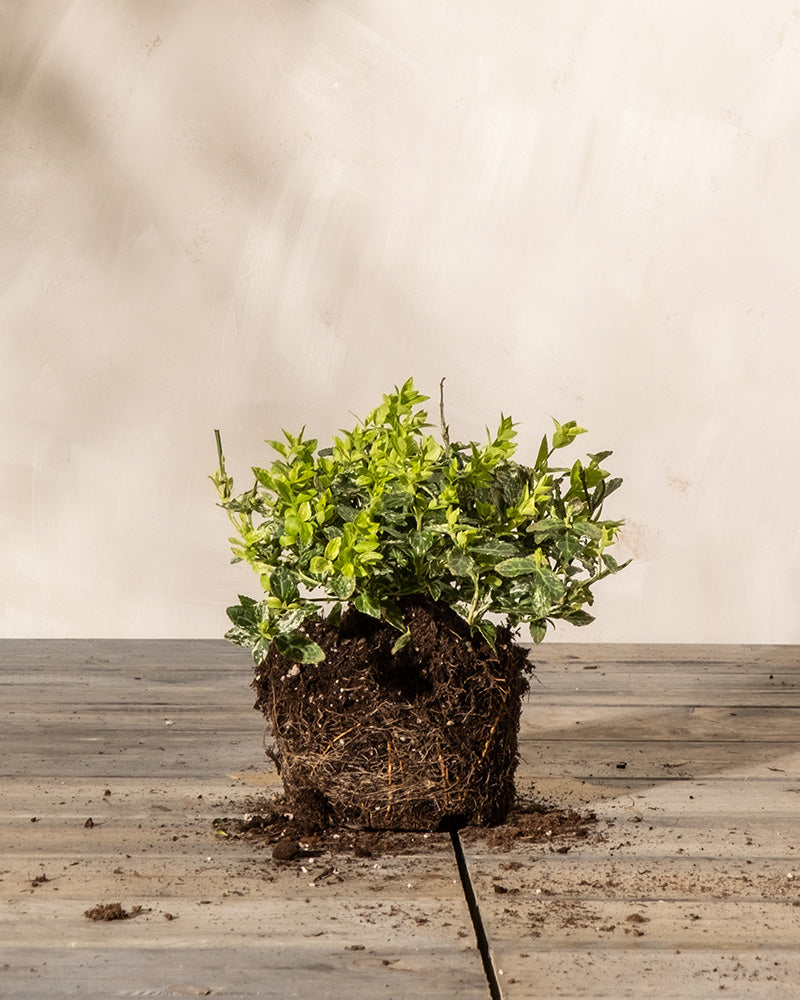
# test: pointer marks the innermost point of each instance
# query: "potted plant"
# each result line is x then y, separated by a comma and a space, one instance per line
392, 691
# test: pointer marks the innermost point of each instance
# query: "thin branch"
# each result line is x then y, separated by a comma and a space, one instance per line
445, 428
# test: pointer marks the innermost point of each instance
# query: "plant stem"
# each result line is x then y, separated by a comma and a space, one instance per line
445, 428
473, 608
220, 456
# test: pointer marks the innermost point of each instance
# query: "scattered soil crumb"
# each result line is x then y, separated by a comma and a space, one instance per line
531, 822
111, 911
286, 850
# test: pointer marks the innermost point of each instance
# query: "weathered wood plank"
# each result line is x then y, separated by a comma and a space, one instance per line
703, 835
694, 887
773, 724
685, 688
396, 924
155, 654
152, 762
609, 872
656, 760
273, 969
640, 970
215, 654
645, 653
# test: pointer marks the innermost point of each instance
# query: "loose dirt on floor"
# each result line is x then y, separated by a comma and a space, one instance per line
112, 911
267, 822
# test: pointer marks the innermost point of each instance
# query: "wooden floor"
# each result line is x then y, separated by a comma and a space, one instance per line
689, 755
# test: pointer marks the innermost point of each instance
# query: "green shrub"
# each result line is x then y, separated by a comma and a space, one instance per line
388, 512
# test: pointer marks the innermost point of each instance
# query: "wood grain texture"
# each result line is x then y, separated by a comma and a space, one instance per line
691, 759
692, 886
152, 741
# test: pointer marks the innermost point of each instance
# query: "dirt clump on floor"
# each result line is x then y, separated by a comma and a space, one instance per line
111, 911
420, 738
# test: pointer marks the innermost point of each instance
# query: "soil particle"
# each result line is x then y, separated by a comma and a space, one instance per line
286, 850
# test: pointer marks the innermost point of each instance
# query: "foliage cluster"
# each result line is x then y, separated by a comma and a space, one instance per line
388, 512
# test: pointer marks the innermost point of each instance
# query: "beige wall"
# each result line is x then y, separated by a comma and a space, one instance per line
264, 213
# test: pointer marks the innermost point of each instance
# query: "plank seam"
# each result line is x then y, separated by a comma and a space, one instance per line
481, 938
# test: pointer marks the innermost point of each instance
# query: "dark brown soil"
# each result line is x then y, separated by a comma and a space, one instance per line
423, 739
111, 911
530, 822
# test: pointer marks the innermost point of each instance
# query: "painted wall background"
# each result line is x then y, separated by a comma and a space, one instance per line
265, 213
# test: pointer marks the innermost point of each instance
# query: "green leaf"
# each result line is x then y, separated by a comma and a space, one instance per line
394, 616
347, 512
537, 593
544, 454
566, 433
402, 642
264, 477
545, 528
241, 636
487, 630
320, 566
292, 524
290, 621
343, 586
494, 549
333, 548
298, 648
549, 583
592, 476
538, 630
610, 563
283, 584
261, 650
367, 606
579, 618
246, 614
517, 566
588, 529
460, 564
421, 542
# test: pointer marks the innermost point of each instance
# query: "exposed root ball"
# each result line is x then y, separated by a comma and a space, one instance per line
421, 740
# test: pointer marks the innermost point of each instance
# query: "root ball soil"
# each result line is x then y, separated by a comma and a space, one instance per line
422, 739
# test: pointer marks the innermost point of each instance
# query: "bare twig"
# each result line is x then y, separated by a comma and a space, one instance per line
445, 428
